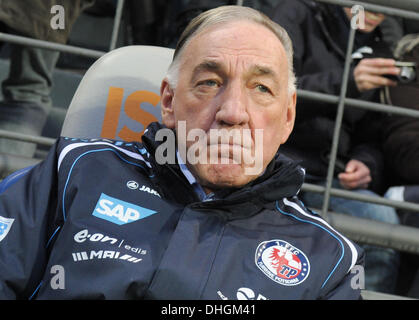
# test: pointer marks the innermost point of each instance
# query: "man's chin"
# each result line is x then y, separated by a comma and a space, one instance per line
217, 176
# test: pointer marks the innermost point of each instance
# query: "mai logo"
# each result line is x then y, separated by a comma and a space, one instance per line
118, 211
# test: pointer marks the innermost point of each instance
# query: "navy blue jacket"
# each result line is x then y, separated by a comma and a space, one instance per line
100, 219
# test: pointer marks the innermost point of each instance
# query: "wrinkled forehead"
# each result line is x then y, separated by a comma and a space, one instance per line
244, 40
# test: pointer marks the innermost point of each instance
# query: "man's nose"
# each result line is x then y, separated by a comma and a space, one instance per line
233, 106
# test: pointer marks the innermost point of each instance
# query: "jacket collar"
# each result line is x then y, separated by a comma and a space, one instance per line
282, 178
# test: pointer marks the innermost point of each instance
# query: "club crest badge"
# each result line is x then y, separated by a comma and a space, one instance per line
282, 262
5, 225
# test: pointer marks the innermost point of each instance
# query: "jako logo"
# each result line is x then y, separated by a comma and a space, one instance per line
132, 185
118, 211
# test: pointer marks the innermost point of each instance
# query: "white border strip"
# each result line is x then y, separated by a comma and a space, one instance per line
73, 146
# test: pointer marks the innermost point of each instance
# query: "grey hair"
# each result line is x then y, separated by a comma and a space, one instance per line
225, 14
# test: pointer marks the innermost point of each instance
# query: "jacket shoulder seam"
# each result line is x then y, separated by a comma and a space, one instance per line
302, 215
117, 146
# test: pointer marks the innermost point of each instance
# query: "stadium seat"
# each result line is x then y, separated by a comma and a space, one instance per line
119, 95
117, 98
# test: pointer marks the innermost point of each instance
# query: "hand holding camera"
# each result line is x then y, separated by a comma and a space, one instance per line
372, 73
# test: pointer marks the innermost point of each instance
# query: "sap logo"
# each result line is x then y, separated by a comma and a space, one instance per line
118, 211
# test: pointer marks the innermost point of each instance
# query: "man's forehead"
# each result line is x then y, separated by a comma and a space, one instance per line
210, 48
242, 34
220, 66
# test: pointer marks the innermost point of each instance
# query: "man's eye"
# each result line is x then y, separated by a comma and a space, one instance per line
209, 83
263, 88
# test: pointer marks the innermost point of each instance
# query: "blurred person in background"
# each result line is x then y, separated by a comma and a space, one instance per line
401, 149
320, 33
27, 88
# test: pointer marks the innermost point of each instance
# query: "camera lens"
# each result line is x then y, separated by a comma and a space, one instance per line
407, 71
407, 74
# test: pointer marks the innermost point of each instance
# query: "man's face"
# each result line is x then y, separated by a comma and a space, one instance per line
372, 20
232, 77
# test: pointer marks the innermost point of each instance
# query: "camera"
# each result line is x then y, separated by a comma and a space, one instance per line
408, 71
407, 74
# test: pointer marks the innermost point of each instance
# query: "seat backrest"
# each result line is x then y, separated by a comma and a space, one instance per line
119, 95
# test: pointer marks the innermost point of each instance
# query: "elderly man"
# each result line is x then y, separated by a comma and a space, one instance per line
110, 220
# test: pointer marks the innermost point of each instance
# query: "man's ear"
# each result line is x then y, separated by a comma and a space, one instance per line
166, 104
291, 113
